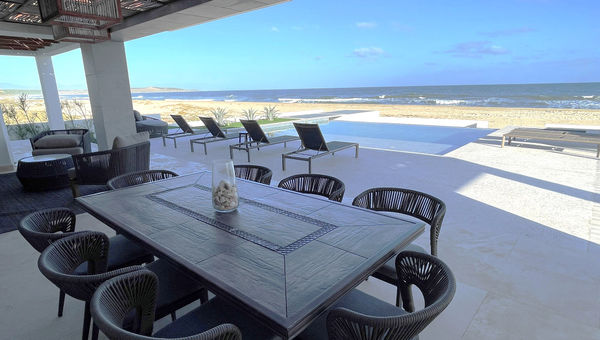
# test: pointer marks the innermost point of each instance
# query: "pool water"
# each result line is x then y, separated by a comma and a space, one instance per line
437, 140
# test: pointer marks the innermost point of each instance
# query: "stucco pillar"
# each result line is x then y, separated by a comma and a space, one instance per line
6, 158
109, 90
50, 92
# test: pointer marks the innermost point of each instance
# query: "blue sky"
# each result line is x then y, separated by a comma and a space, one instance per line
311, 44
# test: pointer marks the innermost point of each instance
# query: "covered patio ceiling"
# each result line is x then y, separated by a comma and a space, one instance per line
23, 33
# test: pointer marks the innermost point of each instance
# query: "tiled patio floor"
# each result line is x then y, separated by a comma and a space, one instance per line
521, 236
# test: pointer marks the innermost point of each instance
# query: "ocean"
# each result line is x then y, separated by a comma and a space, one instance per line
571, 95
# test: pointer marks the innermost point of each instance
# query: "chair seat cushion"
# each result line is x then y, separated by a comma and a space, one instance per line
175, 288
211, 314
387, 272
58, 141
356, 301
71, 151
122, 252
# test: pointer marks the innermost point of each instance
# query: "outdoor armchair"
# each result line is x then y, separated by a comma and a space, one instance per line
129, 154
321, 185
314, 145
71, 141
255, 173
359, 316
155, 127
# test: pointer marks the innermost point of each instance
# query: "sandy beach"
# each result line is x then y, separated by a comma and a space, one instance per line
498, 117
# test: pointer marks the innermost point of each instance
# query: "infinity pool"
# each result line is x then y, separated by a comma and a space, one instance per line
437, 140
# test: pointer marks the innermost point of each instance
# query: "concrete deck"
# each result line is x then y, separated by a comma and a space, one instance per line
522, 236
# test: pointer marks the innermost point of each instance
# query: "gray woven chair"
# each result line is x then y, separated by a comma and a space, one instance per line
427, 208
97, 168
139, 177
322, 185
60, 261
43, 227
358, 316
114, 299
255, 173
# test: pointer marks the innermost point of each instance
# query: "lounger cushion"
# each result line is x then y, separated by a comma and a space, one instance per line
211, 314
356, 301
57, 141
389, 268
124, 141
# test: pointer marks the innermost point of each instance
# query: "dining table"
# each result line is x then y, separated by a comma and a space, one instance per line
282, 256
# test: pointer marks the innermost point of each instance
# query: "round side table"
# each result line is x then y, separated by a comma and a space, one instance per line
44, 172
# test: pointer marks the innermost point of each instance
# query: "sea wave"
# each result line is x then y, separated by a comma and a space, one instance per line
325, 100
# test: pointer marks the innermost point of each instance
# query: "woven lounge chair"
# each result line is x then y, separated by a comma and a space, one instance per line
216, 134
258, 139
359, 316
314, 145
186, 130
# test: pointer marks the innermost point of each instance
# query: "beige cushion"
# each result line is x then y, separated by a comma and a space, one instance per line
70, 151
58, 141
123, 141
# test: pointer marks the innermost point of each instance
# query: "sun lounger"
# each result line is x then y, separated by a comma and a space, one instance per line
216, 134
186, 130
554, 135
314, 145
258, 139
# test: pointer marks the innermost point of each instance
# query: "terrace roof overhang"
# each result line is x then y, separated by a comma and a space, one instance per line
23, 33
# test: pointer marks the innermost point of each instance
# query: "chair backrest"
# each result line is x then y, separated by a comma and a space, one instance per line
429, 274
212, 126
311, 136
97, 168
315, 184
254, 173
425, 207
60, 259
254, 130
137, 291
43, 227
139, 177
182, 123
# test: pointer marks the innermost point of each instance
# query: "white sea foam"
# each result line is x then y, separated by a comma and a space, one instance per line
324, 100
588, 97
450, 101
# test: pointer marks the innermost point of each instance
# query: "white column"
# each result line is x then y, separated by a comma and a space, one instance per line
50, 92
109, 90
6, 159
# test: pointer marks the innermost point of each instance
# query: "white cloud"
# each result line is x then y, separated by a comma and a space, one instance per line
366, 24
274, 29
368, 52
476, 49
